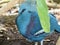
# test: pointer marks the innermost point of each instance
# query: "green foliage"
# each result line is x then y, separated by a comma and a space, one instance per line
43, 15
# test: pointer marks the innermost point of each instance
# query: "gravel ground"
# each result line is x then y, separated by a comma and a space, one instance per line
11, 35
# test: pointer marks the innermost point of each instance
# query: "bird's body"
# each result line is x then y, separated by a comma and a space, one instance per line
28, 23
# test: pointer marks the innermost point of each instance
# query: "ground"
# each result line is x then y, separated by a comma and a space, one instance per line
13, 37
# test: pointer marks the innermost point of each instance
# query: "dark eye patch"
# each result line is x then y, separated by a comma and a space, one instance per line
29, 11
22, 11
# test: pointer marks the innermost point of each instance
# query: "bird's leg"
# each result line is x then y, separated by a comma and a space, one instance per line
42, 42
36, 43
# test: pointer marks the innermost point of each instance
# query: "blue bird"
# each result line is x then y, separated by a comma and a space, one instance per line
29, 25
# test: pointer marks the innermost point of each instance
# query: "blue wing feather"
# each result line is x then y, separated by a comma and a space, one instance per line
28, 23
